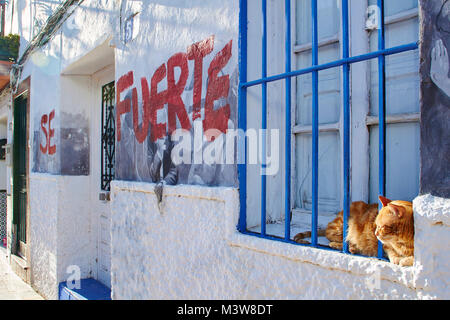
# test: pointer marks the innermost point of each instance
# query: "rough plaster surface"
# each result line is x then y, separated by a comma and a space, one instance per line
76, 240
432, 252
43, 234
61, 233
191, 250
60, 222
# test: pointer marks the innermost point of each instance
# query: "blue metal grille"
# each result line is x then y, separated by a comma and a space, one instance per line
344, 63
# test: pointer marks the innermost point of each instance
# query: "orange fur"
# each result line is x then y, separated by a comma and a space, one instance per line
393, 225
395, 229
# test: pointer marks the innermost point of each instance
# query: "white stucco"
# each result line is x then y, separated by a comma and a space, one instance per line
63, 225
191, 250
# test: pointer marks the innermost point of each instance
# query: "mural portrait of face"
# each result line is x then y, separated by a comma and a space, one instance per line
440, 65
443, 18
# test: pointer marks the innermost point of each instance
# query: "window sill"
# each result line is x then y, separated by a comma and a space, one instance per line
329, 259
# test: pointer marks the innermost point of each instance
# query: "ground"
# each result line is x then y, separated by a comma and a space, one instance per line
11, 286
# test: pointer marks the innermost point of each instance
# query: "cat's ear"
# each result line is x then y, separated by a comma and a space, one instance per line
397, 210
384, 201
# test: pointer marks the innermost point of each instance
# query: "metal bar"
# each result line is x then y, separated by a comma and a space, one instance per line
287, 206
264, 119
315, 125
242, 112
382, 108
346, 124
279, 239
334, 64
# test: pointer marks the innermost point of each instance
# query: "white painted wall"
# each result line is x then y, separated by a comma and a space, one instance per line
62, 222
191, 250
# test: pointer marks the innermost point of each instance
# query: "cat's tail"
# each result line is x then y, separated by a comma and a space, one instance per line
303, 235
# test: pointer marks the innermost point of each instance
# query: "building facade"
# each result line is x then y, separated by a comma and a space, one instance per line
126, 167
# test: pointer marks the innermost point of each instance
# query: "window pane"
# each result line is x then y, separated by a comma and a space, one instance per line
328, 19
329, 172
402, 161
392, 7
329, 88
402, 70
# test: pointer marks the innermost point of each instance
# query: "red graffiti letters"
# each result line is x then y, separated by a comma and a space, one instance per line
176, 73
47, 120
44, 121
197, 52
175, 103
122, 106
218, 87
157, 101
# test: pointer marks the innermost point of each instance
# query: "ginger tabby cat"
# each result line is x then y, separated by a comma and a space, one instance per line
393, 226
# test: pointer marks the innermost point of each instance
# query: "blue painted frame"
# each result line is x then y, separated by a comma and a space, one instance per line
345, 63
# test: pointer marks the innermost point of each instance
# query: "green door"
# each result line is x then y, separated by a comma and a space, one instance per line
20, 171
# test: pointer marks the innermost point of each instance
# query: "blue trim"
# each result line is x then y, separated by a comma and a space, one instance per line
315, 125
288, 52
381, 109
334, 64
242, 115
264, 120
319, 246
346, 124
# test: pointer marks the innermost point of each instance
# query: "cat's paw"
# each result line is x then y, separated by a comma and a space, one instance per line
395, 260
336, 245
299, 239
353, 249
302, 241
406, 262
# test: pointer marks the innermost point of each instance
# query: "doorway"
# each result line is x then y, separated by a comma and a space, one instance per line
20, 174
103, 157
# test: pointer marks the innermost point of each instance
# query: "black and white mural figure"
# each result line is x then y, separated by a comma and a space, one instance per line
439, 69
61, 144
200, 104
435, 96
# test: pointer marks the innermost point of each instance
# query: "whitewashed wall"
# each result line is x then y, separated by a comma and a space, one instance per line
63, 228
191, 250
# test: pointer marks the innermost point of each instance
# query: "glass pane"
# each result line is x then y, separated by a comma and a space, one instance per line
402, 70
392, 7
329, 171
329, 88
402, 161
328, 19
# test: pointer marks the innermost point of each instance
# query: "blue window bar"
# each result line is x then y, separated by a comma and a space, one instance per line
345, 63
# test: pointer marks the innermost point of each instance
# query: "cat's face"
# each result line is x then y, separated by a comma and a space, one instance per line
394, 221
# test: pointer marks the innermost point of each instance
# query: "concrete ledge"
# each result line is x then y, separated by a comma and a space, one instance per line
20, 267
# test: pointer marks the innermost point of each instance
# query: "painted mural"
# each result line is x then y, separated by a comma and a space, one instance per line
189, 100
61, 149
435, 88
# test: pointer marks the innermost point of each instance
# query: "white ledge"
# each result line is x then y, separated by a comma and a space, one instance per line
434, 209
361, 266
